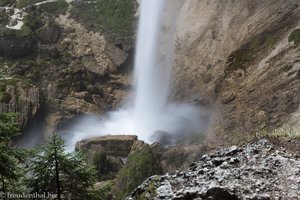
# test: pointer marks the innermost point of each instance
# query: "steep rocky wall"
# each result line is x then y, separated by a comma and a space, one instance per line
21, 98
235, 54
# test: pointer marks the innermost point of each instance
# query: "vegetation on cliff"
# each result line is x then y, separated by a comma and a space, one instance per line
140, 165
114, 18
295, 36
256, 46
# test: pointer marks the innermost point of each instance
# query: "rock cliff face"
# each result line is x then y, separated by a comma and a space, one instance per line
20, 97
259, 170
236, 54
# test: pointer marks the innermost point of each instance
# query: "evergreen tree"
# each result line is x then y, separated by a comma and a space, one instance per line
10, 166
55, 171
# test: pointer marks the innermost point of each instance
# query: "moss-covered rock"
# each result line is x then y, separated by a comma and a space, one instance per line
140, 165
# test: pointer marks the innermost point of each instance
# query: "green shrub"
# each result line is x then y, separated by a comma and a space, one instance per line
33, 19
295, 36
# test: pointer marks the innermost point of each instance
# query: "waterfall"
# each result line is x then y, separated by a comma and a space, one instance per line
150, 110
151, 75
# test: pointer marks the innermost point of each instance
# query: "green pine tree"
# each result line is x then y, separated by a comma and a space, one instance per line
11, 169
55, 171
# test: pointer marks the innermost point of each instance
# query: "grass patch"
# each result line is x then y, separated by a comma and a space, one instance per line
114, 18
295, 36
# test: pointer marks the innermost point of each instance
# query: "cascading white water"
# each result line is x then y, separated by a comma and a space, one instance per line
151, 76
150, 111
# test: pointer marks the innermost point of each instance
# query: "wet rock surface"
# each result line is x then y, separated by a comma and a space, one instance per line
259, 170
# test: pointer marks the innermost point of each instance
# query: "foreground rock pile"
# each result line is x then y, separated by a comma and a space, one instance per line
256, 171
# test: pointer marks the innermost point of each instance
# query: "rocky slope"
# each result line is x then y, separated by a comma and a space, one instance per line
78, 68
236, 55
259, 170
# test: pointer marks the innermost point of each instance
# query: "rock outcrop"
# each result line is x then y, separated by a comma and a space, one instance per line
20, 97
258, 170
112, 145
49, 33
108, 153
97, 54
123, 159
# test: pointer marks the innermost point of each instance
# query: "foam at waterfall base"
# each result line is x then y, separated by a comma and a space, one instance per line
176, 119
